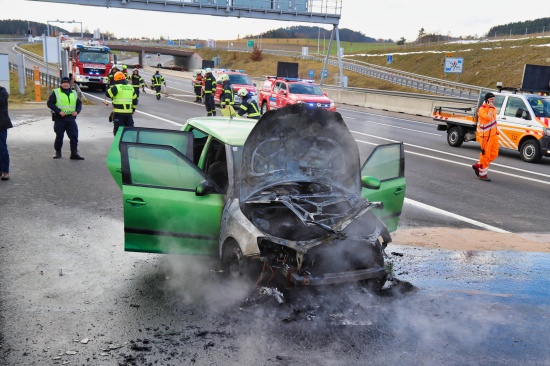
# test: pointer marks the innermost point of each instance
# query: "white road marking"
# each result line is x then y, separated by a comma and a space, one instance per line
438, 211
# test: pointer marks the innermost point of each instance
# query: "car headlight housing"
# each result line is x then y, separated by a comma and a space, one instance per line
331, 104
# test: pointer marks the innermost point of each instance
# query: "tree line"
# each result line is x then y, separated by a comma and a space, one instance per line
308, 32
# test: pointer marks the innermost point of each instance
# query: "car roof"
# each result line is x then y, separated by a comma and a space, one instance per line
229, 131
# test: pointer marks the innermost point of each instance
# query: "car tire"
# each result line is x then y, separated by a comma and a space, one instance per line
454, 137
374, 285
234, 263
263, 108
530, 151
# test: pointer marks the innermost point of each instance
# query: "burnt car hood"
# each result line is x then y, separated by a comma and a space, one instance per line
300, 144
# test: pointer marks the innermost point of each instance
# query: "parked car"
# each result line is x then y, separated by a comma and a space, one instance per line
278, 92
285, 195
238, 80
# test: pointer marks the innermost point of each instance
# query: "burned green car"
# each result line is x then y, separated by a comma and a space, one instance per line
285, 195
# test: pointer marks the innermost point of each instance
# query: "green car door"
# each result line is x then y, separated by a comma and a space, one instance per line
386, 164
163, 210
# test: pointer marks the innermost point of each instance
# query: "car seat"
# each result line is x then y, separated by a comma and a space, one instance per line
217, 171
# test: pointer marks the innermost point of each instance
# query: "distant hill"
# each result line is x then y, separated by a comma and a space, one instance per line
346, 35
21, 27
540, 25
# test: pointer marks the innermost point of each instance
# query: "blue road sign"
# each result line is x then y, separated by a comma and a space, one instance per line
311, 73
324, 72
389, 59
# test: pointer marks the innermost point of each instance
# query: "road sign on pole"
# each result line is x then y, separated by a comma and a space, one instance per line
389, 59
250, 43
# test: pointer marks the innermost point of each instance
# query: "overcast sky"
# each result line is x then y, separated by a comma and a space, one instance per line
378, 19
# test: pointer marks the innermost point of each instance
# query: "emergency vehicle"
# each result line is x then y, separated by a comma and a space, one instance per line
90, 65
238, 79
523, 123
278, 92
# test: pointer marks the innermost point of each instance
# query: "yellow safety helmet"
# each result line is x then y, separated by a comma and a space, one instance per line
242, 92
224, 77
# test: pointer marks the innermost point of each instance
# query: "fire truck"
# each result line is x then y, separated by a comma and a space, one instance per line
90, 65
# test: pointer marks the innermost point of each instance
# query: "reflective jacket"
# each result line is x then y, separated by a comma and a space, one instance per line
124, 98
197, 83
249, 105
209, 84
486, 120
227, 96
137, 81
65, 100
157, 80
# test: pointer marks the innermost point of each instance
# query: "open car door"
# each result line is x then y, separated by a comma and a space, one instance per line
164, 212
387, 164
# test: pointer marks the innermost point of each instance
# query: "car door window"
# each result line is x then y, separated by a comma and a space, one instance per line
199, 141
158, 166
177, 139
512, 106
387, 164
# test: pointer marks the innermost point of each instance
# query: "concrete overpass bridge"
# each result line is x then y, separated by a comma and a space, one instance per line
187, 60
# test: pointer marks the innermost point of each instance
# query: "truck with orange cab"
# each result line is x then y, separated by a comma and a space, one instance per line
523, 123
278, 92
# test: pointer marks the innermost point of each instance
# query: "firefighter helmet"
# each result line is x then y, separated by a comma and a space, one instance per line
208, 70
135, 69
124, 67
242, 92
119, 76
224, 77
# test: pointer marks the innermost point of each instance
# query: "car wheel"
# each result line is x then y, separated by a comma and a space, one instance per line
234, 263
263, 109
374, 285
530, 151
454, 138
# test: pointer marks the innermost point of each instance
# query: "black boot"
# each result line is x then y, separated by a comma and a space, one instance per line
57, 154
75, 156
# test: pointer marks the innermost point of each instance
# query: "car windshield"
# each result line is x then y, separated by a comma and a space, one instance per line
541, 106
305, 89
95, 57
240, 79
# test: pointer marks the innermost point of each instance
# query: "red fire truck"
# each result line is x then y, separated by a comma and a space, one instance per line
90, 65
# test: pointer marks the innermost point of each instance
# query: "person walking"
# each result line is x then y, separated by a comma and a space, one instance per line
248, 105
156, 81
137, 81
65, 106
5, 124
487, 136
197, 86
125, 101
209, 86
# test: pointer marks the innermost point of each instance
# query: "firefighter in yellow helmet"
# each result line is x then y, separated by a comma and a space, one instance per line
125, 101
248, 105
227, 97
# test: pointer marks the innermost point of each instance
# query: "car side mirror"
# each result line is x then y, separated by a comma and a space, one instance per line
521, 113
370, 182
254, 84
281, 91
325, 94
203, 188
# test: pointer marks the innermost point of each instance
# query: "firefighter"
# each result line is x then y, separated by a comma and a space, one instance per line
111, 75
137, 81
197, 85
209, 86
65, 106
124, 102
125, 71
156, 82
487, 136
227, 98
248, 105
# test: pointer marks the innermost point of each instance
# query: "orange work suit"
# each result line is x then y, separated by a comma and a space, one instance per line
487, 136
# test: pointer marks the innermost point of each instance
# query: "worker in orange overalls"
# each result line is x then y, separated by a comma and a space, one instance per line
487, 136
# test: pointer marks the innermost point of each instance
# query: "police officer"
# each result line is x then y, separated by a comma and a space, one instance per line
65, 106
137, 81
197, 85
248, 105
156, 81
209, 86
124, 102
227, 97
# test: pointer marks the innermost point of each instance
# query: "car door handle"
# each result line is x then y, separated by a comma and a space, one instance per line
118, 170
136, 201
399, 191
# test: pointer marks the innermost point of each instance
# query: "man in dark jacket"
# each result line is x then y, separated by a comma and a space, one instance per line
65, 106
5, 123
